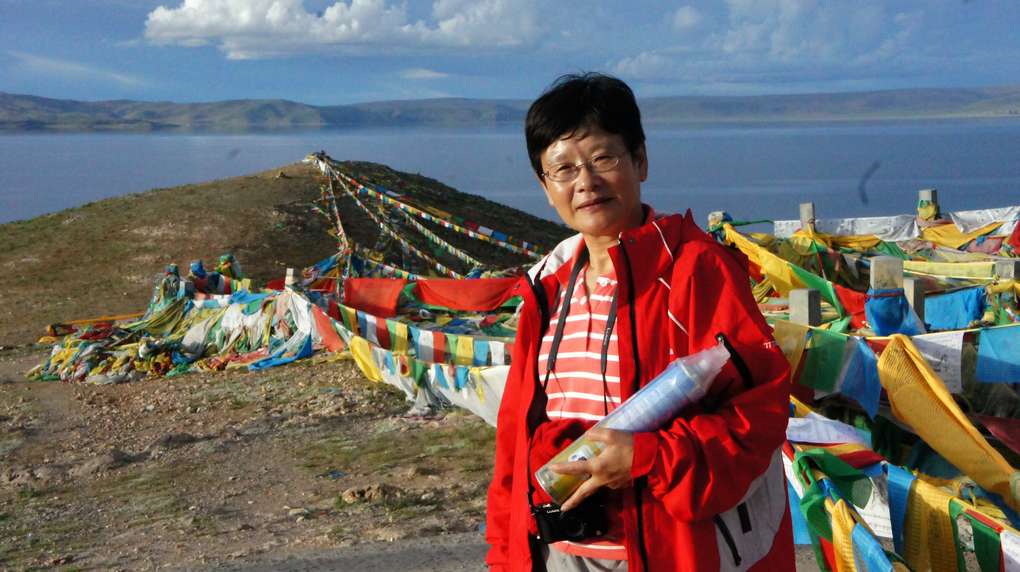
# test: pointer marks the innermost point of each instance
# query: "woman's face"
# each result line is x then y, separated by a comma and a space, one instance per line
596, 204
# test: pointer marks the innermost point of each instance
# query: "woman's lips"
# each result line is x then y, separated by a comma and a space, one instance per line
593, 203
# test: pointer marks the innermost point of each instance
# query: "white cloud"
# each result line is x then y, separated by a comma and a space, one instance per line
645, 66
767, 43
248, 29
70, 69
422, 74
687, 18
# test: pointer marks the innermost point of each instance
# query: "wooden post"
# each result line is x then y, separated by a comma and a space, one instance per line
1007, 269
806, 307
886, 273
289, 282
807, 216
913, 289
931, 195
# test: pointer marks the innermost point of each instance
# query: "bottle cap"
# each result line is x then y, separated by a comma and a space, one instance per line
706, 364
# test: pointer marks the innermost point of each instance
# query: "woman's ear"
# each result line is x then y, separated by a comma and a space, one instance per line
641, 162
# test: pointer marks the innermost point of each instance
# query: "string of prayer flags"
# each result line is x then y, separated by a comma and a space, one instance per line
385, 229
441, 218
998, 358
438, 241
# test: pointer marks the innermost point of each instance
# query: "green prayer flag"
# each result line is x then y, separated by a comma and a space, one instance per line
812, 506
824, 359
986, 545
418, 369
891, 249
851, 483
823, 286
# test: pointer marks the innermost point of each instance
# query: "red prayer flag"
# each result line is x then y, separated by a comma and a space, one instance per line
853, 303
1014, 239
376, 296
330, 339
468, 295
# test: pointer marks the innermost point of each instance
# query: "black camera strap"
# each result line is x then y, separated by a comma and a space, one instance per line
575, 273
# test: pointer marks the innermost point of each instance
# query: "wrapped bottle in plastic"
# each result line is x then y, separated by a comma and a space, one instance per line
684, 381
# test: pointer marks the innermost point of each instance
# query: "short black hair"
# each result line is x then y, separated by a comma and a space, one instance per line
576, 101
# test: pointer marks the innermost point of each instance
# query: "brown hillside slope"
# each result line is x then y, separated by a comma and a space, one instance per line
103, 257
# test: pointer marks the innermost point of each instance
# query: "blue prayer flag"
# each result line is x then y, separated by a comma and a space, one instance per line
860, 381
900, 481
481, 356
956, 310
888, 312
998, 358
462, 377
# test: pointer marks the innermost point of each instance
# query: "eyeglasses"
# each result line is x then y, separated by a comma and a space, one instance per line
566, 172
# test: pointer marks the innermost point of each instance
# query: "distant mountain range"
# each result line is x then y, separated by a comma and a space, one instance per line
32, 113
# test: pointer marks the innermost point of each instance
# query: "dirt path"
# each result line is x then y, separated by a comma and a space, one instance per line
203, 470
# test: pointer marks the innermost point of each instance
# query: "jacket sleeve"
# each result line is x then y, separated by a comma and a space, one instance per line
704, 462
497, 514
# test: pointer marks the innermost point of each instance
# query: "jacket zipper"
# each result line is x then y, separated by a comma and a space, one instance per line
639, 484
728, 538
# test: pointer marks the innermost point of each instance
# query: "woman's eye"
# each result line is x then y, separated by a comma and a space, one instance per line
562, 169
602, 160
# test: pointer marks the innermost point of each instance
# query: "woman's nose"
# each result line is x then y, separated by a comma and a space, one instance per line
587, 178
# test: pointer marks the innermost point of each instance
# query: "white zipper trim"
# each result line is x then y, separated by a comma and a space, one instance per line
663, 237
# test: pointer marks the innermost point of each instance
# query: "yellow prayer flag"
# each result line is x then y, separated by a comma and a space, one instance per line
362, 352
928, 539
400, 335
951, 236
792, 339
952, 269
464, 353
921, 399
842, 535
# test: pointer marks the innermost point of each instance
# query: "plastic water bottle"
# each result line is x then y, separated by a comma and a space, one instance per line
684, 381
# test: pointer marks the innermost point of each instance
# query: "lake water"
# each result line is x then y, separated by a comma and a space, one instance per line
753, 172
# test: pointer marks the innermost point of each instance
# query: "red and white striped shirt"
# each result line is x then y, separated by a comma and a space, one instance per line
576, 390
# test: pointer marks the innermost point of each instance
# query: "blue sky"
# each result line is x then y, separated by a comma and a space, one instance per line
335, 52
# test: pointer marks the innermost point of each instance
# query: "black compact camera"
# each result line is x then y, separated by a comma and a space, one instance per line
587, 520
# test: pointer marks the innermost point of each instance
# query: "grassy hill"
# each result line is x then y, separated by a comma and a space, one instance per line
103, 258
26, 112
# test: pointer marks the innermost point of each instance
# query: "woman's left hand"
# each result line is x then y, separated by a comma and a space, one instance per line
610, 469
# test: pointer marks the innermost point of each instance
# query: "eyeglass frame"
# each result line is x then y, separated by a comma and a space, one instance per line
589, 163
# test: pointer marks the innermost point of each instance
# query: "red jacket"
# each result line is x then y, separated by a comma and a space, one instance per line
709, 491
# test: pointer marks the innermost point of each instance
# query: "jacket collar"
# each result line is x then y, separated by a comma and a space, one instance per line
657, 241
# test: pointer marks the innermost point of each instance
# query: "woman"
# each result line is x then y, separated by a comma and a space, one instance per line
606, 311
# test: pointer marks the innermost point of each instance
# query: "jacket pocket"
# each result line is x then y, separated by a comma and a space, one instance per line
745, 533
